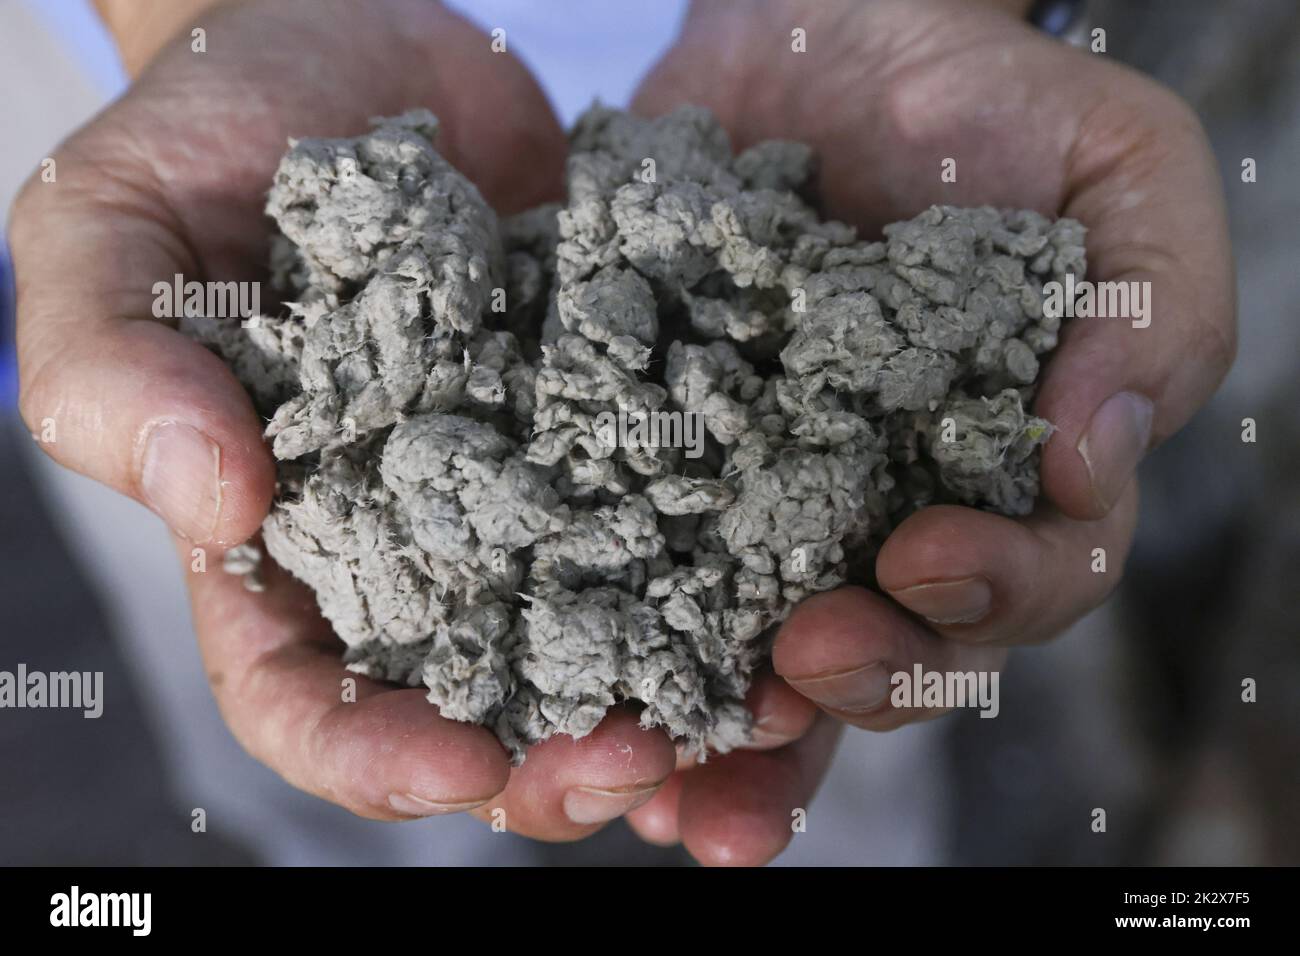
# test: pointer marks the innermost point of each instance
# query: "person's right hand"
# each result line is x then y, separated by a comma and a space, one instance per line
172, 179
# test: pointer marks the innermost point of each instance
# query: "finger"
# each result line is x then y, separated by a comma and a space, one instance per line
841, 649
781, 714
114, 395
567, 789
738, 810
275, 670
655, 821
981, 578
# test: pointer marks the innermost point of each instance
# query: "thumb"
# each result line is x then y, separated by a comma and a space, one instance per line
107, 390
1143, 180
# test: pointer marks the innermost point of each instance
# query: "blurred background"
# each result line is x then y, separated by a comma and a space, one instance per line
1137, 709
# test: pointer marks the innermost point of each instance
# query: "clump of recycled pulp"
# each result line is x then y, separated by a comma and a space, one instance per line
441, 387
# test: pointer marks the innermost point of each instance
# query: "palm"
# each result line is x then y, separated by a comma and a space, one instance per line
198, 137
886, 93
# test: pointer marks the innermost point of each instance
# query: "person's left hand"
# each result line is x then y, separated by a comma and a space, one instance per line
887, 90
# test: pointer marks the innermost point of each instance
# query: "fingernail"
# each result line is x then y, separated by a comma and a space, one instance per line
857, 690
1113, 444
585, 805
963, 601
760, 738
413, 806
181, 479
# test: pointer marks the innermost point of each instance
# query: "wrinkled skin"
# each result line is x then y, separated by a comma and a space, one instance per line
172, 179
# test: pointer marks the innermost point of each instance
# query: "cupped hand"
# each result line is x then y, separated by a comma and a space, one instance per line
172, 179
887, 91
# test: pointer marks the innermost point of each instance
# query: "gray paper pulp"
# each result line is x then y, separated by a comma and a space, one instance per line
436, 389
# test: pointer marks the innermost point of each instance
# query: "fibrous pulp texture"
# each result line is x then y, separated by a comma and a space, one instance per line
449, 487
